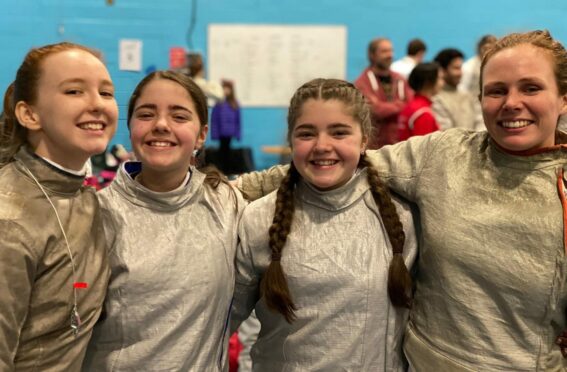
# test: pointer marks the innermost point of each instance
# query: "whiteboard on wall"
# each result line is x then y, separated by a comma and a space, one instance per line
269, 62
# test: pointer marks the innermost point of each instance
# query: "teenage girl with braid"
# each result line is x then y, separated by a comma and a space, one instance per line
327, 271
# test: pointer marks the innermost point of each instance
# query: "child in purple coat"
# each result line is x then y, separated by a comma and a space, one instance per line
225, 120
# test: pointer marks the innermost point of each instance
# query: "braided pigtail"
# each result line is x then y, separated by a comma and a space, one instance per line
399, 279
274, 286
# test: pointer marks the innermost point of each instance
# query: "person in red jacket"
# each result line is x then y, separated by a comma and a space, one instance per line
386, 91
416, 118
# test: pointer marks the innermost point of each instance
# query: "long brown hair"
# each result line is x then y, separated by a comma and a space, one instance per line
212, 175
274, 287
25, 88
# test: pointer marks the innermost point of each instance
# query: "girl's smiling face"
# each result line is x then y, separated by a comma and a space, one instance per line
326, 143
165, 128
75, 114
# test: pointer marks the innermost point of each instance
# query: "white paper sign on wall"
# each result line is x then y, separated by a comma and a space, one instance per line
130, 55
269, 62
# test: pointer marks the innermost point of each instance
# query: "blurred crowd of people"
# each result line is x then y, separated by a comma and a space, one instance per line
412, 97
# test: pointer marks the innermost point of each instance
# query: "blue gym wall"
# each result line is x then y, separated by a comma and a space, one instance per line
165, 23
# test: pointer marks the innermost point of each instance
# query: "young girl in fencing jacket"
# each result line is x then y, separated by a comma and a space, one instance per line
172, 235
59, 111
323, 260
492, 273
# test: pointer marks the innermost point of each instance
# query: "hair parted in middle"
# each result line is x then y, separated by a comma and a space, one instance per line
274, 287
196, 94
213, 176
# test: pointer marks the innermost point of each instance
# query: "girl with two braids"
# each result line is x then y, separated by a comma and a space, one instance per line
491, 279
326, 269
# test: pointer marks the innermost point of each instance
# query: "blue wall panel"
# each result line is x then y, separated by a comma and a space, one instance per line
163, 24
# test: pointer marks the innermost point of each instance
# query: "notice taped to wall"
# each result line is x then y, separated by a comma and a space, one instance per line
269, 62
130, 55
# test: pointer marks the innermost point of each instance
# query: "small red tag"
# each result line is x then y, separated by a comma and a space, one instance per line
80, 285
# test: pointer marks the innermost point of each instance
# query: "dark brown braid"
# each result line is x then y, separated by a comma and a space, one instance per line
274, 286
399, 279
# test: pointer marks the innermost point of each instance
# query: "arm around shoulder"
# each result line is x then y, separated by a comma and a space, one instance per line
254, 185
253, 256
401, 165
247, 275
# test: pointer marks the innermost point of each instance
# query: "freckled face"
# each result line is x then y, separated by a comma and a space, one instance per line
520, 101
